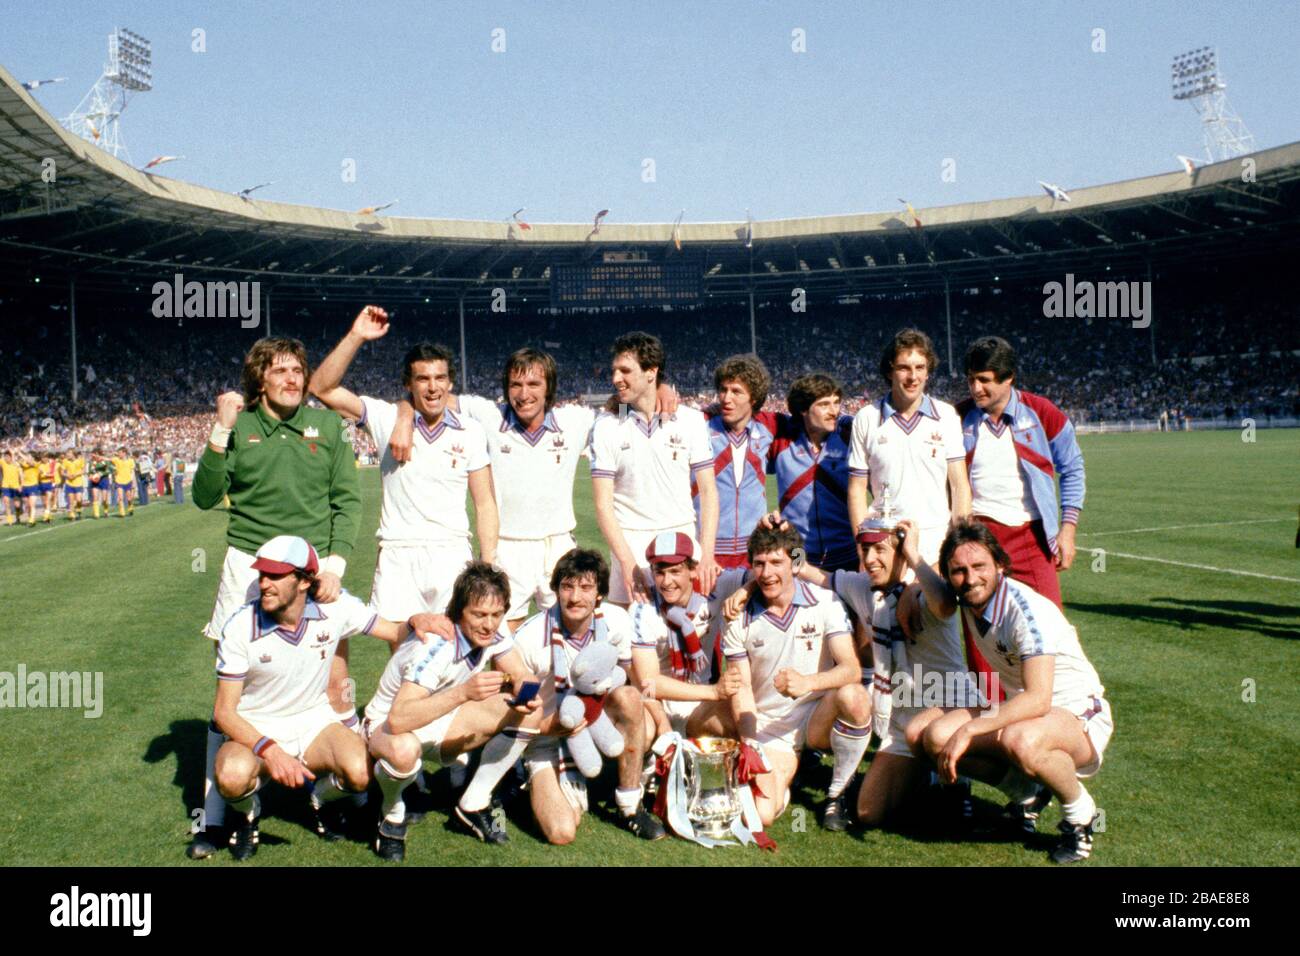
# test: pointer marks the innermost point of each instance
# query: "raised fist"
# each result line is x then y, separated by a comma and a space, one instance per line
229, 405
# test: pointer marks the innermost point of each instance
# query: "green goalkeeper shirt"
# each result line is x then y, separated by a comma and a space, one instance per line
285, 477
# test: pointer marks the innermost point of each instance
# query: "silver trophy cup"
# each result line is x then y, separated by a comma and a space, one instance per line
712, 804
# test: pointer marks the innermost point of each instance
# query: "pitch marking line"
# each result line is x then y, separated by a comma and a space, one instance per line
1185, 564
1179, 527
57, 527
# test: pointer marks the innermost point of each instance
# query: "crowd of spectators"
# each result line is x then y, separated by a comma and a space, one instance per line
149, 383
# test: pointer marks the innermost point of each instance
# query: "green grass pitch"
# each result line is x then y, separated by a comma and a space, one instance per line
1202, 668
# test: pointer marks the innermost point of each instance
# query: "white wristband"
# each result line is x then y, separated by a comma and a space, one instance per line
335, 564
219, 436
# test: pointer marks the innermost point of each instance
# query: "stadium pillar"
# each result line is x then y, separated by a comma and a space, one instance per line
72, 326
1151, 314
753, 334
947, 306
464, 365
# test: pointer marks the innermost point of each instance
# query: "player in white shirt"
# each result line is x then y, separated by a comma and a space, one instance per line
641, 469
915, 667
674, 640
444, 700
910, 444
799, 675
1055, 723
273, 668
556, 790
423, 526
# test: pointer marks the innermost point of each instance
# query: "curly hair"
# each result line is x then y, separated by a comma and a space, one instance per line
578, 563
747, 369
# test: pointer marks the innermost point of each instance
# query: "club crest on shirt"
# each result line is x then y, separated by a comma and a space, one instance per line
626, 446
505, 449
265, 659
310, 432
254, 439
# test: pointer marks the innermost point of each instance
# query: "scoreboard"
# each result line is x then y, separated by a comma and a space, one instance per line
626, 281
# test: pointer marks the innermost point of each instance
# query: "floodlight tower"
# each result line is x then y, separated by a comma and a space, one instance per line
1196, 78
129, 70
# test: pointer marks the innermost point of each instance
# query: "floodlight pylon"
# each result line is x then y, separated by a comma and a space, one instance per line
1195, 77
129, 70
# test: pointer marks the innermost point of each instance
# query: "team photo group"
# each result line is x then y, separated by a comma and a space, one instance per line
904, 593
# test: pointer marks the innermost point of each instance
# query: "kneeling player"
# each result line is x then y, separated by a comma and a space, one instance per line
445, 700
1055, 722
273, 667
800, 681
908, 666
549, 643
674, 639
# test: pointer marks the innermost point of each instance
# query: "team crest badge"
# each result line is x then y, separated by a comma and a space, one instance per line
310, 432
265, 659
505, 449
253, 439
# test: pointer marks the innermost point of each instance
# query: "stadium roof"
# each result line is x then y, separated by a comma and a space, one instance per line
109, 225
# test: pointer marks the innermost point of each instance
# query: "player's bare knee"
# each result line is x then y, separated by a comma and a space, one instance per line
854, 703
1024, 745
235, 778
560, 830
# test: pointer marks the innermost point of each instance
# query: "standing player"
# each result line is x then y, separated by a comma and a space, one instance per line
124, 478
101, 477
812, 471
273, 668
910, 443
11, 486
674, 639
642, 464
740, 453
1017, 446
287, 469
423, 527
1055, 722
549, 642
800, 681
445, 700
73, 468
31, 485
51, 479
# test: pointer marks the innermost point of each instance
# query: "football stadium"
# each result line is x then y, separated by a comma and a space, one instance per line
1153, 313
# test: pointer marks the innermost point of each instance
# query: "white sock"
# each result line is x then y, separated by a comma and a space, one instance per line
1081, 809
628, 800
391, 785
849, 745
1017, 786
249, 805
214, 804
326, 789
499, 755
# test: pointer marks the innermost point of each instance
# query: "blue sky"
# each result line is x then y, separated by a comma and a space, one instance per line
562, 120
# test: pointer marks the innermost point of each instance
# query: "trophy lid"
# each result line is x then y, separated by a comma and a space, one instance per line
881, 522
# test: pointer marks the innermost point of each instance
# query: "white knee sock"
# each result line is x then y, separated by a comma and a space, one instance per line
1017, 786
499, 755
1081, 809
849, 745
391, 783
214, 805
326, 789
628, 800
249, 805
